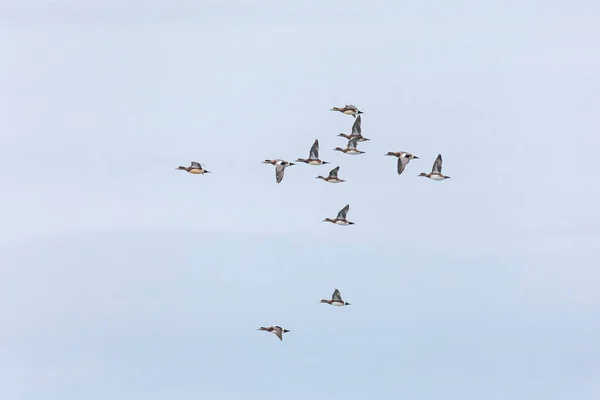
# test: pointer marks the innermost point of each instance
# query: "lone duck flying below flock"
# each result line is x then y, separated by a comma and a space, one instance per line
280, 166
333, 176
194, 168
277, 330
341, 217
351, 147
336, 300
313, 157
349, 109
403, 159
356, 132
436, 171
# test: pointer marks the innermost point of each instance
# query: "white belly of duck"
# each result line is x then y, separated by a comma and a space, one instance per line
337, 304
437, 177
341, 222
314, 162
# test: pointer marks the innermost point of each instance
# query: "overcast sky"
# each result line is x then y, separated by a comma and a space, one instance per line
122, 278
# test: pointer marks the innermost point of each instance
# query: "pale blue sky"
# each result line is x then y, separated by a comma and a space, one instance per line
122, 278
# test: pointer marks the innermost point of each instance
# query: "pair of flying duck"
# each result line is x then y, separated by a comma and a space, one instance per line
281, 165
336, 300
404, 158
353, 139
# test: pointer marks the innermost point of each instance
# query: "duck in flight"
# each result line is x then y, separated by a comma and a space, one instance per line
333, 176
436, 171
356, 132
313, 157
403, 159
341, 217
280, 166
277, 330
351, 147
273, 162
194, 168
336, 300
349, 109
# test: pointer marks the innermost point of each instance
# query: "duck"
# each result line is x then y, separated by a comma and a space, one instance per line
356, 132
280, 169
348, 109
350, 148
336, 300
403, 159
194, 168
313, 157
277, 330
273, 162
341, 217
436, 171
333, 177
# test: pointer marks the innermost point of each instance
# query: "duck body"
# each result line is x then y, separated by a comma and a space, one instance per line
436, 171
356, 132
195, 168
351, 148
331, 180
336, 300
332, 177
435, 177
352, 152
275, 329
273, 162
360, 138
313, 156
280, 166
340, 219
403, 159
348, 109
312, 162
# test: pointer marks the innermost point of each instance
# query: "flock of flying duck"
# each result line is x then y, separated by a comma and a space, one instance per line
313, 159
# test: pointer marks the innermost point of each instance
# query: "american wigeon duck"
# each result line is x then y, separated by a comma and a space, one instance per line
336, 300
436, 171
194, 168
356, 132
349, 109
341, 217
403, 159
279, 170
277, 330
313, 157
273, 162
333, 176
350, 148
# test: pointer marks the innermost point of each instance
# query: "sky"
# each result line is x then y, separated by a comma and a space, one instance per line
123, 278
